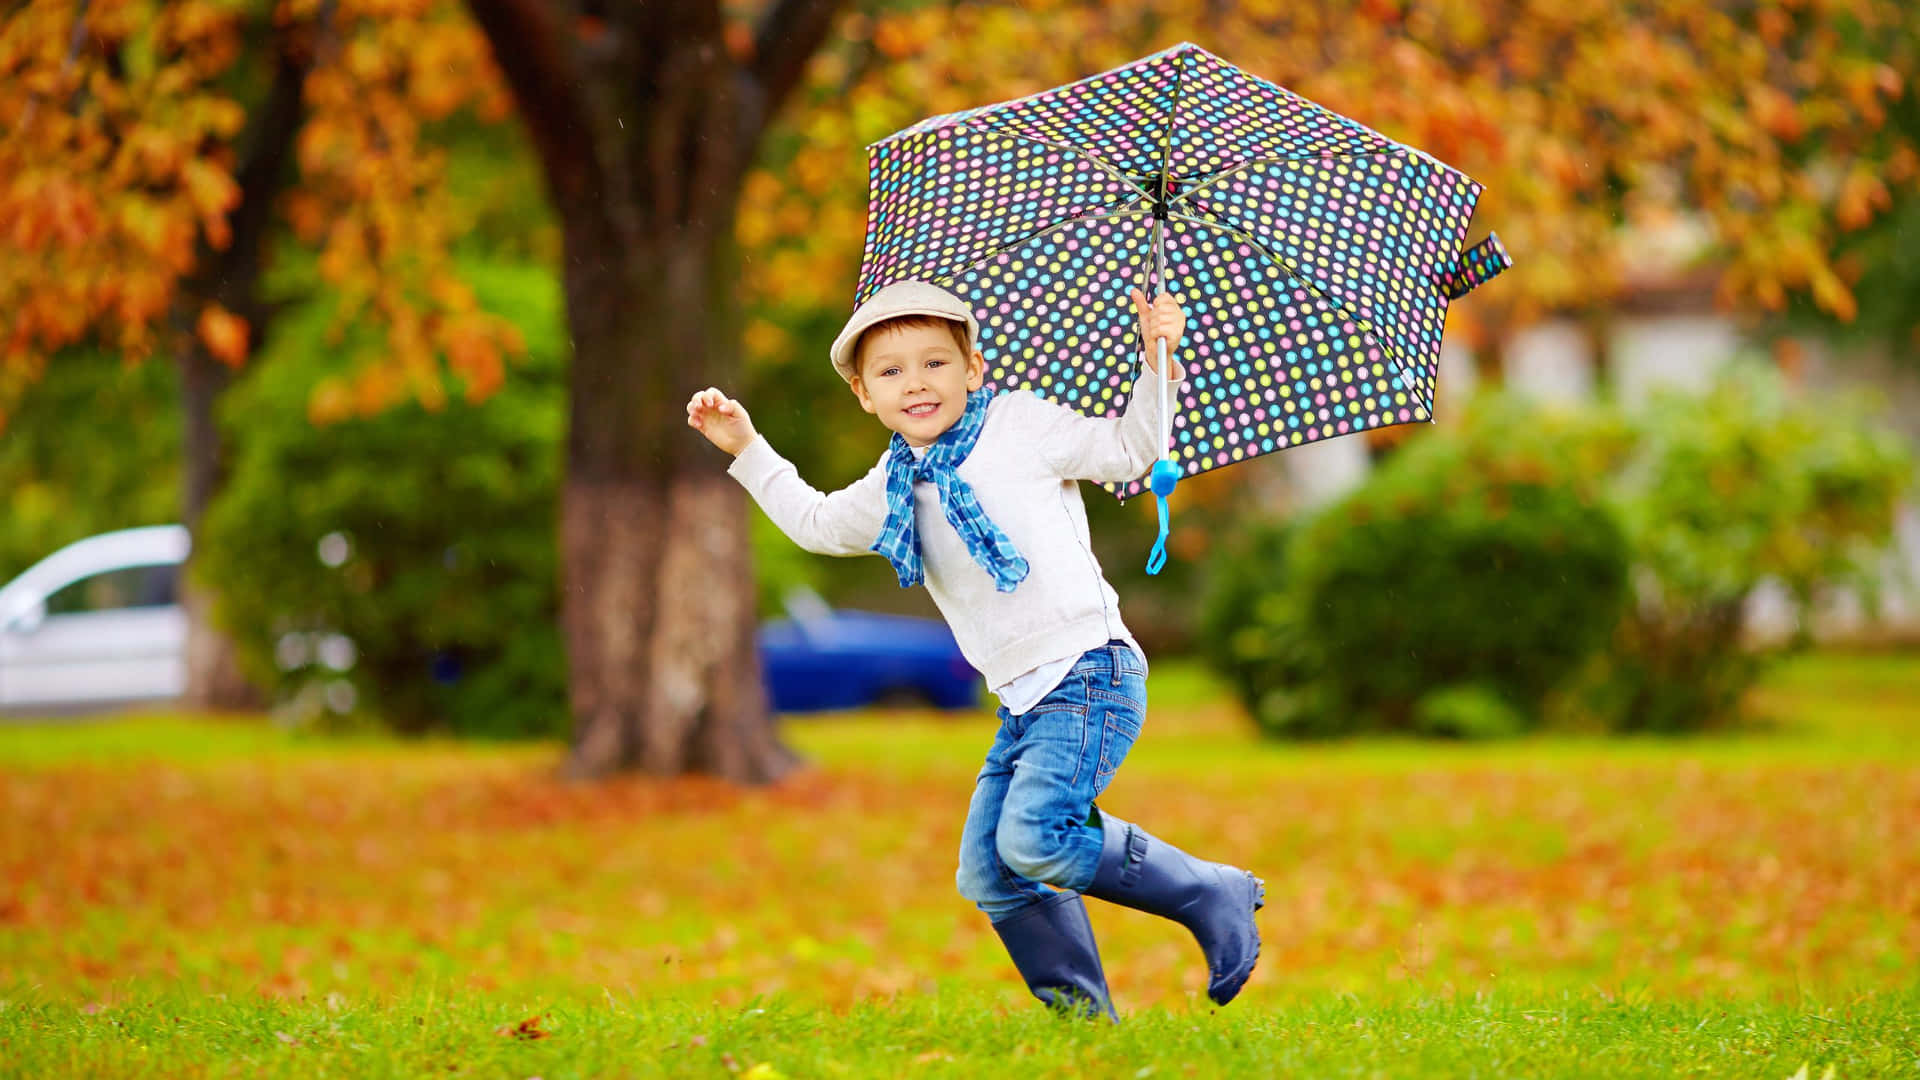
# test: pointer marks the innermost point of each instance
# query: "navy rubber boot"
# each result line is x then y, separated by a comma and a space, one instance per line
1052, 944
1215, 901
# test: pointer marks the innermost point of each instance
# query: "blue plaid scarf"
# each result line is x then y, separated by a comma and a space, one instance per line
900, 541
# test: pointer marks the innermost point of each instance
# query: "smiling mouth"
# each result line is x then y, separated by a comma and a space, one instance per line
926, 409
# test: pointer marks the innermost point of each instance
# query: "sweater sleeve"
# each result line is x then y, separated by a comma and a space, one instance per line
846, 522
1107, 449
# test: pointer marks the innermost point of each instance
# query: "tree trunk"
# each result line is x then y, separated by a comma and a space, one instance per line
231, 277
658, 601
658, 605
645, 119
214, 679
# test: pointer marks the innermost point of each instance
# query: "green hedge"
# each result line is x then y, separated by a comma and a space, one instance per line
1450, 594
1478, 583
1745, 485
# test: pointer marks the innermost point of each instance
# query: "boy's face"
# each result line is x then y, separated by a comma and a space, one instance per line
916, 381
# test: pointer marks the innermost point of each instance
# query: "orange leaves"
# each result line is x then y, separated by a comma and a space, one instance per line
111, 177
212, 192
1739, 866
896, 37
526, 1029
1775, 112
376, 202
1861, 195
739, 41
224, 334
474, 351
112, 180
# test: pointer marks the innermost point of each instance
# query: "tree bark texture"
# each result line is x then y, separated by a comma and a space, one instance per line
645, 125
214, 679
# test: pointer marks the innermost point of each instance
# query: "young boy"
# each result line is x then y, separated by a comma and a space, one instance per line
977, 497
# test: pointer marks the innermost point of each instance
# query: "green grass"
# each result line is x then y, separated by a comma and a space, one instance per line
182, 896
463, 1034
1820, 707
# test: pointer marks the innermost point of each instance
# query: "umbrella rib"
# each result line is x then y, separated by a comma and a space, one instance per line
1166, 141
1393, 353
1244, 166
1031, 237
1091, 159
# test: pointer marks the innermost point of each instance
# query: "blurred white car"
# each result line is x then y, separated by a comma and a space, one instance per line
97, 623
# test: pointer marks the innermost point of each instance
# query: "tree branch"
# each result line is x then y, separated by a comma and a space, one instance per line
785, 39
75, 39
530, 43
230, 275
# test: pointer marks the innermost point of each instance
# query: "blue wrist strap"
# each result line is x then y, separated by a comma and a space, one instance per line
1165, 476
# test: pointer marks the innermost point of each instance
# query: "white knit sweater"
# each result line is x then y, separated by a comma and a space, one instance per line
1023, 470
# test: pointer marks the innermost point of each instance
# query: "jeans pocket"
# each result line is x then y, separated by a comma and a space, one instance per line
1118, 719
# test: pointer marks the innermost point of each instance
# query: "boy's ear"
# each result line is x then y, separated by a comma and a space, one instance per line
860, 391
976, 371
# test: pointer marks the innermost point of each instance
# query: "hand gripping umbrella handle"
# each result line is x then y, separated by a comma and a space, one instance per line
1165, 476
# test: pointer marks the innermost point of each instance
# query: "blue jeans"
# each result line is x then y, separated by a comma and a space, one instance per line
1027, 824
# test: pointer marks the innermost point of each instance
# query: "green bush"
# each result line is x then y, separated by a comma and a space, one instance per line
1744, 485
1477, 584
1470, 711
1246, 624
1476, 565
94, 445
424, 537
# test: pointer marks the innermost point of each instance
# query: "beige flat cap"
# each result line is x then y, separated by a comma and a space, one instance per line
897, 299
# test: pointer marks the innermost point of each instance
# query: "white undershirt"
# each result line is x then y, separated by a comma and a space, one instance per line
1025, 690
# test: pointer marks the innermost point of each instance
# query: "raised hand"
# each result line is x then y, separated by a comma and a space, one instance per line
721, 419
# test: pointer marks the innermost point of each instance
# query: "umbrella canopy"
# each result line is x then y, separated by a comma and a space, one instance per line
1314, 257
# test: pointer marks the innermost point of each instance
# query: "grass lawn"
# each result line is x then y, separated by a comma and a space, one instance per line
181, 896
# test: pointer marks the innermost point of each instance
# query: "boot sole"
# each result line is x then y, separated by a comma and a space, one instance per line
1233, 986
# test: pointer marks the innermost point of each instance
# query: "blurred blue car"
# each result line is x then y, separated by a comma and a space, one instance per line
818, 659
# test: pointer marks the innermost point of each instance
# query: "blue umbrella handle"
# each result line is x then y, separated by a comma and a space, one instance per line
1165, 476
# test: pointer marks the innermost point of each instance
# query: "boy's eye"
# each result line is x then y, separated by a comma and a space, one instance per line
891, 371
936, 362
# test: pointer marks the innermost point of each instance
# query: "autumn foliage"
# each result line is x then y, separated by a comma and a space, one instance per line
124, 121
1606, 135
1613, 139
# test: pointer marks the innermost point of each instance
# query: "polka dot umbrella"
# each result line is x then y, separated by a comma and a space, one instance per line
1314, 256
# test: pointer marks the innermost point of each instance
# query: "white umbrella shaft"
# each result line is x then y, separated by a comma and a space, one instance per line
1166, 416
1160, 276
